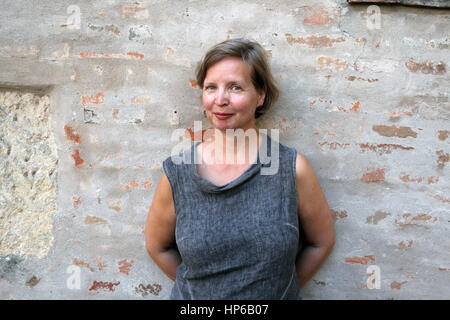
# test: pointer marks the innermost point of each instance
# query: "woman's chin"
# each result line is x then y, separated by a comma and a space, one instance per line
223, 125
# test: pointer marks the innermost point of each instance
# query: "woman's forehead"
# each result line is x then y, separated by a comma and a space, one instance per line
228, 68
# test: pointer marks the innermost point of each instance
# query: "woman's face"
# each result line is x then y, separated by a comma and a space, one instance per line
229, 97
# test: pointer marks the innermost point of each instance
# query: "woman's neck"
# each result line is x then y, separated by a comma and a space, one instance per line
234, 146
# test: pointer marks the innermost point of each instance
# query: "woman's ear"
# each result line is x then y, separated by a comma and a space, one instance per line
261, 97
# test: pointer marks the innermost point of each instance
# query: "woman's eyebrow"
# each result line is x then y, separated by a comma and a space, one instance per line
229, 82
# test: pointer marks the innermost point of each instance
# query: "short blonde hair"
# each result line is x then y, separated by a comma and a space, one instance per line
251, 53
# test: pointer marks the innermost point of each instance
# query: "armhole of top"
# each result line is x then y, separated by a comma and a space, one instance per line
294, 171
170, 174
301, 238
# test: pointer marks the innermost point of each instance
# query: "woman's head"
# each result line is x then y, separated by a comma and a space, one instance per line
244, 59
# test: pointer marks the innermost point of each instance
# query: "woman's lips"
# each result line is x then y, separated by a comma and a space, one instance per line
223, 116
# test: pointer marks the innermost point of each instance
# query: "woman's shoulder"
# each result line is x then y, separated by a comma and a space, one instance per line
286, 149
302, 165
303, 168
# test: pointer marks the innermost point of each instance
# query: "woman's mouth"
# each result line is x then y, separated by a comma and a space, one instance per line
223, 116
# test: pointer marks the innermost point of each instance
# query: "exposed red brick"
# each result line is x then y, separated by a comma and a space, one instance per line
325, 131
420, 219
406, 110
154, 289
333, 64
376, 175
433, 179
76, 202
313, 102
70, 135
383, 148
441, 198
77, 158
397, 285
147, 184
5, 278
99, 98
361, 260
95, 55
314, 41
94, 220
355, 106
96, 285
319, 16
193, 83
404, 245
32, 282
141, 100
283, 124
136, 54
81, 263
125, 266
443, 134
393, 131
406, 178
102, 55
333, 145
443, 158
100, 264
132, 184
427, 67
339, 214
134, 11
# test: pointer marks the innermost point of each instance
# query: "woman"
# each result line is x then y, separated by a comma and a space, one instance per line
222, 230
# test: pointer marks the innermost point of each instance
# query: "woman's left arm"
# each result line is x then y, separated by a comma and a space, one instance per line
315, 220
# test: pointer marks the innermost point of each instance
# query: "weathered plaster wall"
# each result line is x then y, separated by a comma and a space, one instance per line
105, 83
28, 170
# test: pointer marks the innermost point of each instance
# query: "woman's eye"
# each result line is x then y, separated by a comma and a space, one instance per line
209, 87
236, 88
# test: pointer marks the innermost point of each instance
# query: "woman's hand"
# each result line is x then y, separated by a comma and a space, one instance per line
160, 230
315, 220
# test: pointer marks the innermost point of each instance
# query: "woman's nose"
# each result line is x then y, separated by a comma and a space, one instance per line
222, 97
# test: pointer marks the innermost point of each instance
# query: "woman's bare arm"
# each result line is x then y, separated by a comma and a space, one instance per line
160, 230
315, 220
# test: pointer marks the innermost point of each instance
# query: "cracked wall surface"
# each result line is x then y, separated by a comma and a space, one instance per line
28, 170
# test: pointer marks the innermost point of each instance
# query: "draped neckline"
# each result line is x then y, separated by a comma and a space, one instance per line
208, 186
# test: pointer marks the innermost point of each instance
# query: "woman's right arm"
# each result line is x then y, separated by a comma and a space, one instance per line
160, 230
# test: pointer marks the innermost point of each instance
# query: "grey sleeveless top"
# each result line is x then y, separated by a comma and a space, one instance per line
238, 240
